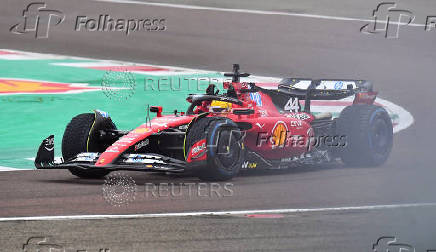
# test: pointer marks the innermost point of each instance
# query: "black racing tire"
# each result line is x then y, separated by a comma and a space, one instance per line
75, 141
225, 157
369, 135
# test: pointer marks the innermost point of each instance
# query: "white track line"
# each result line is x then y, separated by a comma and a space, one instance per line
219, 213
4, 168
260, 12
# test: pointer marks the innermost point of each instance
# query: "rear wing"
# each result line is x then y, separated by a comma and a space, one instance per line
327, 89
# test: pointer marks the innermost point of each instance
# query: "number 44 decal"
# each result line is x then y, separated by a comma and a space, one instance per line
293, 105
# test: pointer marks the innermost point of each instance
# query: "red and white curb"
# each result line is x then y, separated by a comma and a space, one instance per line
46, 87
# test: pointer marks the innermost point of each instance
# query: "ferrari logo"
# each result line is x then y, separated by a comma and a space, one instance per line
279, 134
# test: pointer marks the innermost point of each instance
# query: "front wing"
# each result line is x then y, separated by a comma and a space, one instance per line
130, 162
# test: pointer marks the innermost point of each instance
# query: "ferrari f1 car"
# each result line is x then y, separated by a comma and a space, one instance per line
247, 127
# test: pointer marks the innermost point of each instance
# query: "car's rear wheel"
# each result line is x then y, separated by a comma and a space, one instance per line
77, 139
224, 147
369, 135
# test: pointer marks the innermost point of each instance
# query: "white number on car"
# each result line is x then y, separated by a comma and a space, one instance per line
293, 105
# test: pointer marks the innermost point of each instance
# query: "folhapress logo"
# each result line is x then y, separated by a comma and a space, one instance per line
41, 244
38, 19
390, 244
388, 19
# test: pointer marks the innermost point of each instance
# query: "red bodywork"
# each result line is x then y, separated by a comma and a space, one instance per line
157, 124
274, 134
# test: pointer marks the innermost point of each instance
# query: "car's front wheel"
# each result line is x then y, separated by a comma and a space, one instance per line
222, 142
77, 139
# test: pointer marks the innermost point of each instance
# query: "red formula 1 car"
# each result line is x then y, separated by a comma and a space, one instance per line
248, 127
